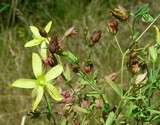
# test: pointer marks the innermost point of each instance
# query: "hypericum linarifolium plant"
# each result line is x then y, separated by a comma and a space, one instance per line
83, 99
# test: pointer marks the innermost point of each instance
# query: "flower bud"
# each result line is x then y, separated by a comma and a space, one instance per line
67, 110
42, 32
134, 67
61, 52
85, 33
70, 32
133, 55
112, 76
112, 26
87, 69
53, 45
152, 54
120, 13
95, 37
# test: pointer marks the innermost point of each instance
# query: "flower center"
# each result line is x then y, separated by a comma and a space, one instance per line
41, 81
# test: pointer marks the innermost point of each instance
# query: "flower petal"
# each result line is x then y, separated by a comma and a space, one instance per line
33, 42
54, 93
54, 72
158, 34
48, 26
38, 96
37, 65
35, 31
25, 83
44, 50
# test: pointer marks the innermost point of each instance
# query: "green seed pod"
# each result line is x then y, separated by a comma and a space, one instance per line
153, 54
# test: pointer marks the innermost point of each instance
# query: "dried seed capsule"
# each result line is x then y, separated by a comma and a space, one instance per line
120, 13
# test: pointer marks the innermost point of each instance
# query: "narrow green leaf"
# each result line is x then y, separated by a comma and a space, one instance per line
38, 97
54, 93
84, 82
48, 103
142, 10
154, 111
49, 115
114, 86
110, 119
81, 109
72, 57
84, 121
31, 43
48, 26
25, 83
92, 94
129, 111
54, 72
63, 122
35, 31
36, 65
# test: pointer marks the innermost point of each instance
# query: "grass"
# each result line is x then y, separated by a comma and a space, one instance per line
15, 60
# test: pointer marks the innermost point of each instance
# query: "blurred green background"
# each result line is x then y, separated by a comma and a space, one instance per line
15, 61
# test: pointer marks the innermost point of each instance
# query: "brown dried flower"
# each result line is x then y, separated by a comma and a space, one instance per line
53, 44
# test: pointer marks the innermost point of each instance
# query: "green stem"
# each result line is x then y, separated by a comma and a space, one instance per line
94, 87
133, 30
123, 56
119, 47
129, 27
147, 28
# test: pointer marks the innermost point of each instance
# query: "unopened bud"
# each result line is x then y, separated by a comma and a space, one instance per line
85, 31
133, 55
53, 45
134, 67
112, 26
112, 76
87, 69
120, 13
152, 54
95, 37
42, 32
61, 52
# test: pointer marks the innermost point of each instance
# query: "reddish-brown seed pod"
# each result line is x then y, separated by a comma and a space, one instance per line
87, 69
134, 55
112, 76
112, 26
95, 37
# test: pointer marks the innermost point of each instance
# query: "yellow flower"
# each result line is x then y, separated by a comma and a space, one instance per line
43, 82
40, 39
